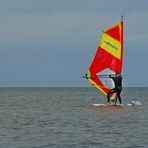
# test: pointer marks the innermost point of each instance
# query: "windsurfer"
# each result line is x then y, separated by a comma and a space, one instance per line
117, 78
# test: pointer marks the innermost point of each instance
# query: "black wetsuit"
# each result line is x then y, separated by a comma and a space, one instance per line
118, 87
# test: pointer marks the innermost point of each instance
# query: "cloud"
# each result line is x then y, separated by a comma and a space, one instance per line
52, 27
71, 27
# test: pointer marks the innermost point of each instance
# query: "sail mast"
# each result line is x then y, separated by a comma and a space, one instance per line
121, 39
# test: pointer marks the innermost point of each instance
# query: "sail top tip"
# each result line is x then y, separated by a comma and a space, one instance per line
122, 18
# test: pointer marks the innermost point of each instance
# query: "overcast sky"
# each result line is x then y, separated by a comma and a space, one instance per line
52, 42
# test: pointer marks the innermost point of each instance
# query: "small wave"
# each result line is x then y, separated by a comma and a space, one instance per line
133, 103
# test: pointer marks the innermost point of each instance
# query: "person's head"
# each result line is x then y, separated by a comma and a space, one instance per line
117, 73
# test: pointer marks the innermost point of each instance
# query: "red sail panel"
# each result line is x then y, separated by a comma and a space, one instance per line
114, 32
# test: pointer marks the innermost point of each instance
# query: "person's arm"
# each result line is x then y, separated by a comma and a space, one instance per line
112, 76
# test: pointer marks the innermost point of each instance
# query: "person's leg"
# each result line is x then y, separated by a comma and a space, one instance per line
108, 95
116, 99
119, 98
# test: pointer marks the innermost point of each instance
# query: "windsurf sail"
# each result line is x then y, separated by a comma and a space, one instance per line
108, 58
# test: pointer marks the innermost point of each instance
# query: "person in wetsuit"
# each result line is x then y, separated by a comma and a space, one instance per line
117, 78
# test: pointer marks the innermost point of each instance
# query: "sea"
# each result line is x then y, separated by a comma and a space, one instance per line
66, 118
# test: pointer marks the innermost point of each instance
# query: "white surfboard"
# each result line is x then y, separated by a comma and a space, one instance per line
133, 103
108, 105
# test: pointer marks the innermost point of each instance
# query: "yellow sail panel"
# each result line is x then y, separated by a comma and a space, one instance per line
111, 45
97, 86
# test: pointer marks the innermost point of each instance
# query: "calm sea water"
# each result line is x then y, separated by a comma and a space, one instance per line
64, 118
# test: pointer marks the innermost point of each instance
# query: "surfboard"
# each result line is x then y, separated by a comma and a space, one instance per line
106, 105
131, 104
